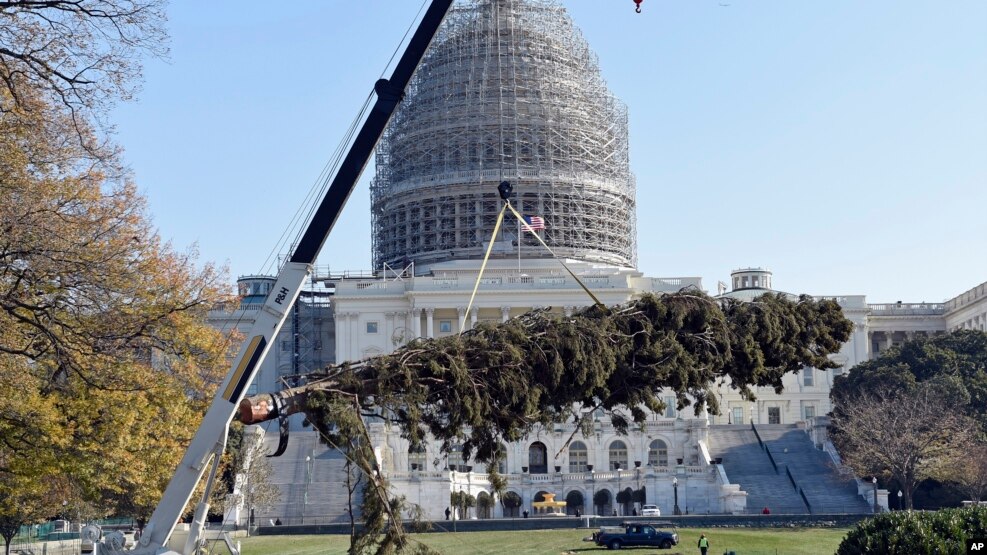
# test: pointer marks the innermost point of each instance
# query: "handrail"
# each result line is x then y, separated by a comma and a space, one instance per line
765, 448
798, 489
805, 500
772, 459
757, 435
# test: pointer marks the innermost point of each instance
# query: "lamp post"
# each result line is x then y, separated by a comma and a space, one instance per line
899, 500
616, 467
637, 479
675, 487
874, 481
592, 479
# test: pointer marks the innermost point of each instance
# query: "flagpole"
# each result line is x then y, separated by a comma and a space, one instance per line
518, 246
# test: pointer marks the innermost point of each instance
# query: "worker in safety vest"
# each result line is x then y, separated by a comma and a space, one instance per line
703, 544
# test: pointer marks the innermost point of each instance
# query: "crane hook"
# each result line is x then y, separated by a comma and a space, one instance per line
638, 8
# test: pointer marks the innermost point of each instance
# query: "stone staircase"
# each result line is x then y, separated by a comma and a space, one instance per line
746, 464
312, 480
813, 470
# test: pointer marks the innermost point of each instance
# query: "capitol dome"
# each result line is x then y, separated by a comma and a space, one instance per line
509, 90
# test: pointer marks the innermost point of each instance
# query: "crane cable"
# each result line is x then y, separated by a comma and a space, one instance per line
493, 239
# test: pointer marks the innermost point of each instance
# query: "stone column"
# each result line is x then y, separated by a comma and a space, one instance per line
429, 322
461, 311
354, 335
341, 339
416, 322
388, 331
505, 313
473, 316
400, 322
888, 339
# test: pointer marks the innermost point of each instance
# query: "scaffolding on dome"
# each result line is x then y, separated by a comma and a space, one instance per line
509, 90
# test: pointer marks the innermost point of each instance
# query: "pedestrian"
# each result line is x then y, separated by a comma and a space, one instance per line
525, 513
578, 514
703, 544
448, 512
765, 511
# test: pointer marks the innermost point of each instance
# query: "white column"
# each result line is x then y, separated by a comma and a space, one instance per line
888, 339
461, 311
568, 310
388, 331
354, 335
416, 322
505, 313
473, 316
429, 322
401, 322
341, 333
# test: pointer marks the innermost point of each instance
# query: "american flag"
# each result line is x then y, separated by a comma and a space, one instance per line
534, 223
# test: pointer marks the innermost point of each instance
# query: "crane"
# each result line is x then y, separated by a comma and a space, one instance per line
209, 441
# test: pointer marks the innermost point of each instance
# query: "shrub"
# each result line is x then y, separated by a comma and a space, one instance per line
912, 533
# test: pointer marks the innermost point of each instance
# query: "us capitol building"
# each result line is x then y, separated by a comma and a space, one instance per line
510, 91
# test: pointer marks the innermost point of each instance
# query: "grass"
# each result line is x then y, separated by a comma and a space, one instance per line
744, 541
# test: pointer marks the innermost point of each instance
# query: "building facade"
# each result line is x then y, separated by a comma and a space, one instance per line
510, 91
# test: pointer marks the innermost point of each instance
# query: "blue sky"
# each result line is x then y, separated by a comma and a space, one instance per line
842, 144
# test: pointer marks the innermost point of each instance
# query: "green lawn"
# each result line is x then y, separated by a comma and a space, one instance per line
745, 541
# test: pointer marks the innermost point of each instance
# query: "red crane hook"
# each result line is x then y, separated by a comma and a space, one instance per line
638, 8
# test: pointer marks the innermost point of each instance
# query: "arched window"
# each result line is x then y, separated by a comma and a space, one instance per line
456, 461
578, 457
618, 455
484, 505
537, 458
416, 457
658, 453
575, 501
511, 502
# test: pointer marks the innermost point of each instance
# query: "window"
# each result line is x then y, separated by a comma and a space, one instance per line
809, 412
670, 407
578, 457
456, 458
445, 326
738, 415
371, 327
618, 455
416, 458
808, 377
658, 453
774, 415
538, 458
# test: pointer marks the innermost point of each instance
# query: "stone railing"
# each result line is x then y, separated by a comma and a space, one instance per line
967, 297
907, 309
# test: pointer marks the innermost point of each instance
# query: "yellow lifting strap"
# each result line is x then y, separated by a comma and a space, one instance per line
493, 238
500, 220
549, 249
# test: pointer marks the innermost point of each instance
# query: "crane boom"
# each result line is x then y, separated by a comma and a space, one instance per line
210, 439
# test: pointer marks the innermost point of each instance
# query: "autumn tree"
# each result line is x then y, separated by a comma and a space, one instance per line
106, 362
256, 473
970, 471
908, 435
77, 56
